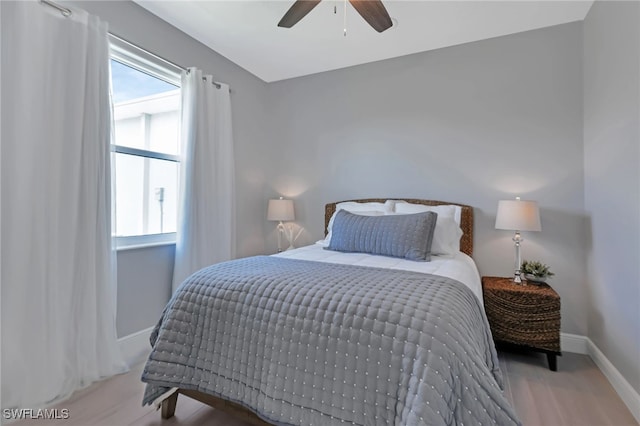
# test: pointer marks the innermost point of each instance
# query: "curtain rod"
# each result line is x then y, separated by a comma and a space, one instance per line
117, 37
160, 58
65, 12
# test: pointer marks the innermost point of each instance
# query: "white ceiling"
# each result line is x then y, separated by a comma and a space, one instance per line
246, 32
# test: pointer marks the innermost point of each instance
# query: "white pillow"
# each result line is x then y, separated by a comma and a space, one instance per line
446, 236
362, 209
400, 206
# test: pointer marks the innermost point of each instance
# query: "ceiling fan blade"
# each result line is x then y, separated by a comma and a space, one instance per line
296, 12
374, 12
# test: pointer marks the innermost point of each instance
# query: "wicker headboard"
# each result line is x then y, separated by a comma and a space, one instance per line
466, 218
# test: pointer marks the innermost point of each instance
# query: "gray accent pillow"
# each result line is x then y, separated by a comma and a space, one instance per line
405, 236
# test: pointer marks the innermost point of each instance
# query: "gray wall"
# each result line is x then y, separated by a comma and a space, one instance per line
474, 123
144, 287
612, 181
248, 102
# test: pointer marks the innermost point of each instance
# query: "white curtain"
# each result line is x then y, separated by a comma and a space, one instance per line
58, 283
206, 228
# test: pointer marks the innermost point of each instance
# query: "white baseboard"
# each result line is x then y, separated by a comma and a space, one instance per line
624, 389
574, 343
583, 345
135, 348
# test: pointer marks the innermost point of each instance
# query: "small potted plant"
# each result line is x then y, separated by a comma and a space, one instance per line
535, 271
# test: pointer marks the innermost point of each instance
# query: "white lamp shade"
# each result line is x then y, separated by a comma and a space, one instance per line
281, 210
518, 215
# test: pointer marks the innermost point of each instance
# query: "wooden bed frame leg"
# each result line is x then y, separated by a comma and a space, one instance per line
169, 406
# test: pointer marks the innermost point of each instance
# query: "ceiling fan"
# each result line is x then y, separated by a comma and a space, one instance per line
373, 11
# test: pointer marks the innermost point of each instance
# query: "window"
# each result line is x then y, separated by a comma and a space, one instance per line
146, 145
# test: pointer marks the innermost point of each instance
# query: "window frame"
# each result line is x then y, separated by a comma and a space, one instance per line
148, 63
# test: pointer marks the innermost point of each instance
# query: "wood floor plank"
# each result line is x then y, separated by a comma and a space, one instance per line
577, 394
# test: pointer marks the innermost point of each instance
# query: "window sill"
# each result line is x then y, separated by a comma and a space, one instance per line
145, 245
145, 241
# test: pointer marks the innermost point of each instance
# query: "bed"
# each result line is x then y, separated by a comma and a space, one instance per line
316, 336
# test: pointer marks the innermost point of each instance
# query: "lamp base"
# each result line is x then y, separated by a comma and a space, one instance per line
517, 239
517, 278
280, 229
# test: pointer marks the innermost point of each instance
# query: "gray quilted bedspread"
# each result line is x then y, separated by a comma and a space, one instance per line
309, 343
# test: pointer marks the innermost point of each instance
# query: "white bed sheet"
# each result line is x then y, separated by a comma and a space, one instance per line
459, 267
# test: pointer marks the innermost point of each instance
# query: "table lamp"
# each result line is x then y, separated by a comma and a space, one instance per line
518, 215
281, 210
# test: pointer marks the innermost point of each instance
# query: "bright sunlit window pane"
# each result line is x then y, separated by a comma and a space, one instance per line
162, 196
146, 110
164, 128
129, 195
130, 84
146, 139
146, 195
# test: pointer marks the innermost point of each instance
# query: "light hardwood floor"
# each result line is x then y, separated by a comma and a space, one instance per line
577, 394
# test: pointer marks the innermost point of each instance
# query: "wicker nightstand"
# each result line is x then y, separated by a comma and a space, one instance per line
524, 315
